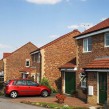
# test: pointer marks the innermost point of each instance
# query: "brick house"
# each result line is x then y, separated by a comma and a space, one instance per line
18, 63
93, 63
49, 58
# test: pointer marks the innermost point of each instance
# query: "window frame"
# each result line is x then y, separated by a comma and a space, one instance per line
27, 60
87, 45
105, 40
34, 58
83, 83
33, 83
38, 58
16, 83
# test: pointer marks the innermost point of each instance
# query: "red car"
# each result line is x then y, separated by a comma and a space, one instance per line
16, 88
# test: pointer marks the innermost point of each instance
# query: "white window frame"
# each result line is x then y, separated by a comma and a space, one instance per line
83, 83
82, 77
87, 49
105, 40
27, 60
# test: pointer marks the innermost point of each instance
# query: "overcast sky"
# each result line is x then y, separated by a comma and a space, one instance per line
41, 21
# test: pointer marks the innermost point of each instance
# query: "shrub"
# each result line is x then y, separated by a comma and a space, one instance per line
60, 98
45, 82
54, 90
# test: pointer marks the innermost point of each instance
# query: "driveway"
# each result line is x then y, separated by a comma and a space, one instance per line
71, 101
8, 104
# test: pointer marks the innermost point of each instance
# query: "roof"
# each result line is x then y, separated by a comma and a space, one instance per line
73, 33
70, 64
98, 64
100, 26
5, 55
27, 69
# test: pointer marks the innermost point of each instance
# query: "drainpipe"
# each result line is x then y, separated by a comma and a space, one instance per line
40, 66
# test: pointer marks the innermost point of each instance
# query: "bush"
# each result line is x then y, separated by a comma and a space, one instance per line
45, 82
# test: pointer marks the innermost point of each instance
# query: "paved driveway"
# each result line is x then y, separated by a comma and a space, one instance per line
7, 104
71, 101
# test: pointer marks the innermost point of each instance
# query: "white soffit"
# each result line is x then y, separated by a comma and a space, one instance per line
93, 33
98, 70
35, 52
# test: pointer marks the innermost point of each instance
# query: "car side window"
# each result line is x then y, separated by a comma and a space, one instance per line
31, 83
21, 82
14, 83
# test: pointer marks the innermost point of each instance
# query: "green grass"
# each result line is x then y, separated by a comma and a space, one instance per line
52, 105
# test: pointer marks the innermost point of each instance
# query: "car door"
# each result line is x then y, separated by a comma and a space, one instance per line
21, 87
34, 89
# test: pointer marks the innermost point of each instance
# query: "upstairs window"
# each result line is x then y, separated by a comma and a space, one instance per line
27, 64
106, 38
34, 57
87, 44
38, 58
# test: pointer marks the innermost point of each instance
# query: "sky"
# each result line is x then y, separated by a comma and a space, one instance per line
41, 21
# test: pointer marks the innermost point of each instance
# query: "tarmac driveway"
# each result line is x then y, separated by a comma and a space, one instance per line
8, 104
71, 101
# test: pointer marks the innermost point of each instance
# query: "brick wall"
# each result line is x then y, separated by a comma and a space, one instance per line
92, 81
98, 50
56, 55
16, 61
1, 65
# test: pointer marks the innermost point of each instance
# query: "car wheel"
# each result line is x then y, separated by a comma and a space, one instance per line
44, 93
13, 94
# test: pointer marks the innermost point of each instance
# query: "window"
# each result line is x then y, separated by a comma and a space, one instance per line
106, 38
83, 83
38, 58
83, 80
30, 83
87, 44
27, 63
21, 82
34, 57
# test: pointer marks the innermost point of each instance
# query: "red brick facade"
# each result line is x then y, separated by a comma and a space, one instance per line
56, 55
16, 61
1, 65
98, 50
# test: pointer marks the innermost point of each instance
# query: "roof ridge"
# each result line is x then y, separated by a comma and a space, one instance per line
20, 48
62, 36
96, 24
99, 26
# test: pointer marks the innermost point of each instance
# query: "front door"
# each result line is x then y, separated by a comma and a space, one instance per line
69, 82
102, 87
